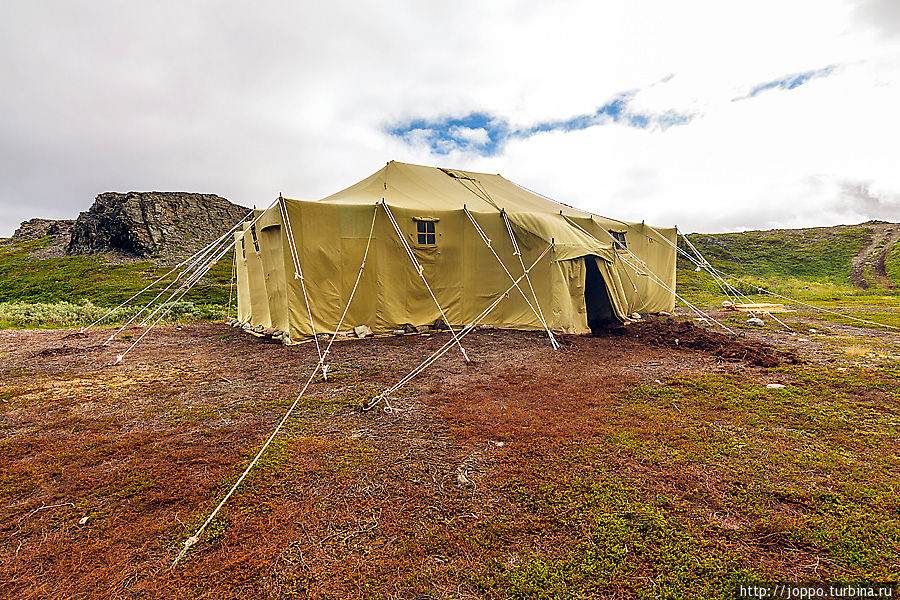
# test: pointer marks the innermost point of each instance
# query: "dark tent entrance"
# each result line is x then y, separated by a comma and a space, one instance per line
600, 316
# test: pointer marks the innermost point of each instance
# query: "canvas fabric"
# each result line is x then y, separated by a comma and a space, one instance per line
330, 236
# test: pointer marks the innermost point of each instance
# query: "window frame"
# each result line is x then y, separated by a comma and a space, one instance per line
425, 234
619, 240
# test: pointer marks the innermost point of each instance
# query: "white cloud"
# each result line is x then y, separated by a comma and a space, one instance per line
475, 136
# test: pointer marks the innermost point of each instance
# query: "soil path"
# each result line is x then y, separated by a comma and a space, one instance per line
870, 260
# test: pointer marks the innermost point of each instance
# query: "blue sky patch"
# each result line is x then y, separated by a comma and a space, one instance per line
485, 134
787, 82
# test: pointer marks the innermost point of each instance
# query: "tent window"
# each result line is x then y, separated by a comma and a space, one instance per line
255, 239
426, 233
619, 238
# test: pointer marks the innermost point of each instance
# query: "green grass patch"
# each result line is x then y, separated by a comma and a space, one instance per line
75, 279
892, 264
630, 544
822, 254
40, 315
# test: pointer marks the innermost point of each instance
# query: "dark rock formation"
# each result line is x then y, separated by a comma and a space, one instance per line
59, 231
158, 225
37, 228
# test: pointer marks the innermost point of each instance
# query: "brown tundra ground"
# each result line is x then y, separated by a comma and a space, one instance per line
650, 463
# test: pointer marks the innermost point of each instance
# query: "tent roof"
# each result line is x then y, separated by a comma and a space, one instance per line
417, 187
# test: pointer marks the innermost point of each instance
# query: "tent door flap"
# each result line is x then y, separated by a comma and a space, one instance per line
600, 315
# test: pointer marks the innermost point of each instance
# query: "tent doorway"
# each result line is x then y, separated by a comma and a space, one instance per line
600, 316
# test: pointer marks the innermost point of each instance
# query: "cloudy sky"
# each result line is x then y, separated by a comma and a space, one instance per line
709, 115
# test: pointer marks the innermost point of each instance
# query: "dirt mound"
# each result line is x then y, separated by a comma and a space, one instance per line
683, 334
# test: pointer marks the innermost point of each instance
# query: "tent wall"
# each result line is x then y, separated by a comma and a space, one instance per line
244, 312
272, 255
461, 270
644, 242
259, 300
331, 235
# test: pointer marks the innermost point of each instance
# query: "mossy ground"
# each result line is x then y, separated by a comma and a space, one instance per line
605, 470
653, 473
53, 292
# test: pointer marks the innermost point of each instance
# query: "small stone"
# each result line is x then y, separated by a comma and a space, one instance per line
399, 331
83, 520
422, 329
362, 331
755, 321
462, 479
636, 316
774, 386
812, 330
802, 340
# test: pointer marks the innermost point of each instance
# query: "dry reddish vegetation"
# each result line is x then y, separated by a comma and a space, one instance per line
482, 481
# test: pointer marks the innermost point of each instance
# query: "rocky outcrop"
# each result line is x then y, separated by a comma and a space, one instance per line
59, 232
163, 226
37, 228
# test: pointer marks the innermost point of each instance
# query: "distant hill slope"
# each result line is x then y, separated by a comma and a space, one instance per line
115, 248
35, 268
845, 254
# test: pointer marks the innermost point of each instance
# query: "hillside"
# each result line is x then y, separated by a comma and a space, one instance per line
163, 226
815, 263
856, 259
113, 250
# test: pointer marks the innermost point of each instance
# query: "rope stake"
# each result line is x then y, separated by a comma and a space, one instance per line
172, 270
320, 365
449, 343
536, 312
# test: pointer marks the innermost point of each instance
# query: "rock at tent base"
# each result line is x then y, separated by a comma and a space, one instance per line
422, 329
407, 328
362, 331
663, 313
727, 303
399, 331
755, 321
636, 316
774, 386
439, 325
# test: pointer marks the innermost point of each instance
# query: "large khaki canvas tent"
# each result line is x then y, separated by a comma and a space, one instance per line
465, 238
